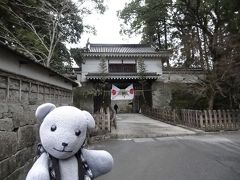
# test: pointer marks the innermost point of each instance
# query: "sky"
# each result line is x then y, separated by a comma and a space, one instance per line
107, 26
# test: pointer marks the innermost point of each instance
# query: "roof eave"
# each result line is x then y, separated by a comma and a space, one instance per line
152, 55
122, 76
74, 84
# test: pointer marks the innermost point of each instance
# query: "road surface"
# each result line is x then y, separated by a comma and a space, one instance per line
196, 157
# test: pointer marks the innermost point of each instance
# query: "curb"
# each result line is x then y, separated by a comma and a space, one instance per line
131, 136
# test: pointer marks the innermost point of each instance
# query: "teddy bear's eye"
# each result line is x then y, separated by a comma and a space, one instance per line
78, 132
53, 128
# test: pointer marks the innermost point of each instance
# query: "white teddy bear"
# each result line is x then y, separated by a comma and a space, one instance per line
62, 133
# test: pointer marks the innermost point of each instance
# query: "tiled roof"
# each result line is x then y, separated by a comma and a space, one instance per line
123, 50
26, 59
183, 71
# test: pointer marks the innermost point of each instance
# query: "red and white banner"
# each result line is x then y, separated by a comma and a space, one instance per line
122, 94
114, 92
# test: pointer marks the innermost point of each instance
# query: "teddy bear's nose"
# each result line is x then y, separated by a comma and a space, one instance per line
65, 144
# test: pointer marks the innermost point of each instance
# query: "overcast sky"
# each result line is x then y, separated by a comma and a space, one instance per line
107, 26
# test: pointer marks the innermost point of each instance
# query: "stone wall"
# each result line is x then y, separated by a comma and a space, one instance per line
19, 98
83, 99
161, 94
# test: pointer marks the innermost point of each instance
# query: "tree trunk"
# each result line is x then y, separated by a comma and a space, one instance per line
165, 34
211, 101
159, 38
205, 42
200, 48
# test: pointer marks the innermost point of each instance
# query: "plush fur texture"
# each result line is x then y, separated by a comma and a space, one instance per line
62, 133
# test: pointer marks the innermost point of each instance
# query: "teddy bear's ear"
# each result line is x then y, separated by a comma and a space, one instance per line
90, 120
43, 110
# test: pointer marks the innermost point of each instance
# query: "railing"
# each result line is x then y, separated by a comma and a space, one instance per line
208, 120
212, 120
104, 120
166, 115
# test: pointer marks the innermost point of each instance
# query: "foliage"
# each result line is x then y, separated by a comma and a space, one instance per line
150, 18
141, 68
203, 34
142, 79
76, 54
103, 68
183, 97
39, 29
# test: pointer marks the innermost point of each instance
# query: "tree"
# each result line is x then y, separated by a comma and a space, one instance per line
76, 54
142, 77
149, 17
203, 34
39, 29
213, 19
102, 96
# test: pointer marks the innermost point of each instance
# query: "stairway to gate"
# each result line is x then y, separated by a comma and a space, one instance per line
140, 126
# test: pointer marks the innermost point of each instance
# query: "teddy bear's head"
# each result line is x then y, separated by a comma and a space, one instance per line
63, 129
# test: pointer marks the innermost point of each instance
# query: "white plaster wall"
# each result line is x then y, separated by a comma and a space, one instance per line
90, 66
9, 62
153, 65
181, 78
129, 61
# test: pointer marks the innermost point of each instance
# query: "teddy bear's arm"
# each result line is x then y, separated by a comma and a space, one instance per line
100, 162
39, 170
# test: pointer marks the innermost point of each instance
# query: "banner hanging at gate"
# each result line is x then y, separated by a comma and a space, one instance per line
122, 94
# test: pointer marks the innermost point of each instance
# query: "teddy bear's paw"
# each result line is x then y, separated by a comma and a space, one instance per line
100, 162
40, 174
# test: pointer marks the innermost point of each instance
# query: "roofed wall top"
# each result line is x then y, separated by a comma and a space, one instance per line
123, 50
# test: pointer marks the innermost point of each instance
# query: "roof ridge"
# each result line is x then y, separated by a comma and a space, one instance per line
118, 45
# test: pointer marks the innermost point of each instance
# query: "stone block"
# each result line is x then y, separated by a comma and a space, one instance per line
25, 86
37, 126
6, 124
28, 118
24, 96
7, 166
47, 90
24, 155
33, 98
3, 82
26, 107
14, 84
40, 97
21, 173
3, 108
26, 136
15, 107
34, 88
8, 141
7, 115
17, 118
14, 96
17, 113
41, 89
3, 95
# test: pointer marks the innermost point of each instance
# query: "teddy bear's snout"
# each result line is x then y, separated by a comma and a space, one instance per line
64, 144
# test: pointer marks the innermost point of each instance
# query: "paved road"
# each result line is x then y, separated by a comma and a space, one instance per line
202, 157
137, 125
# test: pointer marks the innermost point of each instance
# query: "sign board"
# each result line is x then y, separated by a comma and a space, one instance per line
122, 94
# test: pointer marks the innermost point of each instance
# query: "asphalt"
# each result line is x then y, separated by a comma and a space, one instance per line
140, 126
202, 157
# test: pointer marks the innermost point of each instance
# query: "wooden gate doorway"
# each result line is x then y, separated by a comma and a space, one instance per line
142, 95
